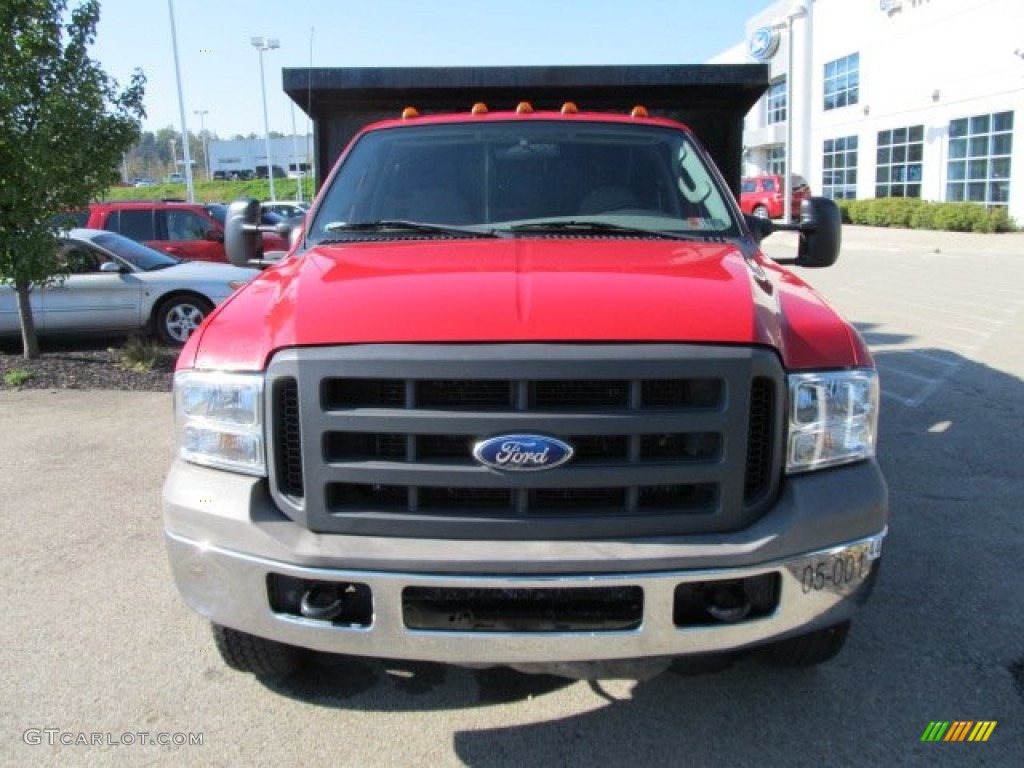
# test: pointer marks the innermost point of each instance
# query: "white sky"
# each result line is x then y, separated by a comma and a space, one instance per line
220, 68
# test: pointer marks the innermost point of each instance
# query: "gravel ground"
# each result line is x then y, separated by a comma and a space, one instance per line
83, 364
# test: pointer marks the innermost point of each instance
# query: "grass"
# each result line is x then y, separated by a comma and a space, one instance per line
139, 355
16, 377
212, 191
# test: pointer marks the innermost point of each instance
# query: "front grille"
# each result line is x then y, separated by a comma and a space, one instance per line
378, 439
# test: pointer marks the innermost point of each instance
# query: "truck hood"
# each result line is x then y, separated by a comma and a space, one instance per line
525, 290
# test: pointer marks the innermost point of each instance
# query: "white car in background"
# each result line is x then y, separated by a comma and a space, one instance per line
116, 284
287, 209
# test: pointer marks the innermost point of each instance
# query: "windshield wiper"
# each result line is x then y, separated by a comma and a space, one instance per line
600, 227
409, 226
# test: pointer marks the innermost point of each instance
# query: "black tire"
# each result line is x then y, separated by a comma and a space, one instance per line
761, 212
177, 317
255, 655
807, 650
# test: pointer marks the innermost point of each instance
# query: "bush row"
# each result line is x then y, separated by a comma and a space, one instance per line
911, 213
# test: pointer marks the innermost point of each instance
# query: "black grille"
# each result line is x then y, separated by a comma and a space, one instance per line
689, 443
759, 439
288, 445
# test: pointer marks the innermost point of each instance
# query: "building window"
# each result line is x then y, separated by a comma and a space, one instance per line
842, 82
777, 160
898, 162
777, 101
839, 162
979, 159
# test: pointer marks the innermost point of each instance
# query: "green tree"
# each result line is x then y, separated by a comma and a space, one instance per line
64, 126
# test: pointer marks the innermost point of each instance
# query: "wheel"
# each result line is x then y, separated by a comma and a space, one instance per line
807, 650
179, 316
256, 655
761, 212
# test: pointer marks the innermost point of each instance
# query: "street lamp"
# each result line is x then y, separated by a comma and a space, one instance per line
202, 132
262, 45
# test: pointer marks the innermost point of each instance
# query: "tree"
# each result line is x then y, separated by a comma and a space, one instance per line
64, 126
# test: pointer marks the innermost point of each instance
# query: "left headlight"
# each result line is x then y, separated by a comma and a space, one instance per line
833, 418
219, 420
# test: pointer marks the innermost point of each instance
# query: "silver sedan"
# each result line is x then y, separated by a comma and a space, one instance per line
117, 284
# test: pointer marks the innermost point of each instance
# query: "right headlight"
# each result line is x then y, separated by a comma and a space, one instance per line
220, 420
833, 418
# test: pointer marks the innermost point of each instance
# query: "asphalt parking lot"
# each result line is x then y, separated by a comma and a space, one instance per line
95, 644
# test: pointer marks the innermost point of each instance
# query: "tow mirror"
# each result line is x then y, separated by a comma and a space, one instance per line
242, 239
821, 233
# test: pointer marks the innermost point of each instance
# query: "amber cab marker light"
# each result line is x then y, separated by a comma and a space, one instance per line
479, 109
410, 112
638, 111
569, 108
524, 108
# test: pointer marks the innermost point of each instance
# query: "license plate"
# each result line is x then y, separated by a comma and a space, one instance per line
839, 571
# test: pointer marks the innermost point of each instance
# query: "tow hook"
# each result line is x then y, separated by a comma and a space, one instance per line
728, 604
323, 601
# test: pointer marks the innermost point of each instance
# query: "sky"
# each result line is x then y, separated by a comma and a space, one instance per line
220, 69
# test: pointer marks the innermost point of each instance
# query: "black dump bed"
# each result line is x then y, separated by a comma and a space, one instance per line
711, 98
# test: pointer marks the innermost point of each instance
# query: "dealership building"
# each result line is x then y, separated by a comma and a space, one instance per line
289, 155
891, 98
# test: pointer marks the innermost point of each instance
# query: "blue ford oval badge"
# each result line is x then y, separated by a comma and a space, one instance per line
522, 453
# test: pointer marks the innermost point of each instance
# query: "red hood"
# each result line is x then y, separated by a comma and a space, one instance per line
524, 290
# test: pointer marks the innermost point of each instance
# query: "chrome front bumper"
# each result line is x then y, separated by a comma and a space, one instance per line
816, 589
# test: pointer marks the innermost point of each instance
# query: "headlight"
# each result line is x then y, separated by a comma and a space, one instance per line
219, 420
833, 418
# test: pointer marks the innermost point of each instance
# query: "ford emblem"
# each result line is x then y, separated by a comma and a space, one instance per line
522, 453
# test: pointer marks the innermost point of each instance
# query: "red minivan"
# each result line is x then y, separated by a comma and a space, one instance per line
764, 196
185, 230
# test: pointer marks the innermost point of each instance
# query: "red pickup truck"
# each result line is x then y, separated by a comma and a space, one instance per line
526, 392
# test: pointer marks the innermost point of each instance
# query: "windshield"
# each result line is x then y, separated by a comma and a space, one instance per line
507, 176
135, 253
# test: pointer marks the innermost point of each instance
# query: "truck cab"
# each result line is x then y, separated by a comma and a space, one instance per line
526, 391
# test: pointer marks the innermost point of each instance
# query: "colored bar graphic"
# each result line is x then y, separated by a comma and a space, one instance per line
958, 730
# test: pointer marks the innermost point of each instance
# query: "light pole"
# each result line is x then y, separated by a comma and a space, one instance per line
299, 174
261, 45
181, 107
202, 132
796, 12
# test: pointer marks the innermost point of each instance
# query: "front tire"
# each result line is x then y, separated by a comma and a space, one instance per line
179, 316
256, 655
807, 650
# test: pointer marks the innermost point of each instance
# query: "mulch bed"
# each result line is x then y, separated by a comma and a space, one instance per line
84, 364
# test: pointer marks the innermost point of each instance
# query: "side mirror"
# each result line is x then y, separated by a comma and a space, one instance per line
112, 266
242, 239
821, 233
214, 234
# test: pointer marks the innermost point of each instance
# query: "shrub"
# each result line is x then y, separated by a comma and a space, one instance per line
909, 212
